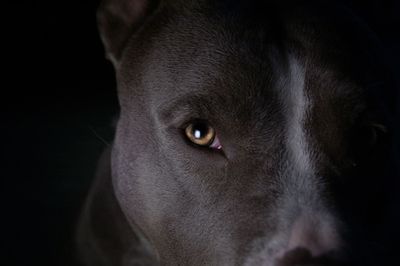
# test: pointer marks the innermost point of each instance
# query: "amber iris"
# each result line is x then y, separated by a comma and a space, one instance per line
200, 133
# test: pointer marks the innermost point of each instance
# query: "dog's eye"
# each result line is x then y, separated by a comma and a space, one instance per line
377, 130
371, 134
202, 134
368, 139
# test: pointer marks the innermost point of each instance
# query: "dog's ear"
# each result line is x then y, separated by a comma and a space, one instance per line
118, 19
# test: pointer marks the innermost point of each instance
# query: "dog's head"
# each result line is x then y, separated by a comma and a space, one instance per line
250, 132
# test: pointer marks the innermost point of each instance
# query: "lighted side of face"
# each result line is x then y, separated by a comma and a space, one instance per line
220, 144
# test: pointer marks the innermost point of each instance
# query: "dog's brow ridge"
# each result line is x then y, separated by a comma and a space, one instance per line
185, 106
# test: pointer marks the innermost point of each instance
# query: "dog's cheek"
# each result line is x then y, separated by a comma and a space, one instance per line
156, 180
137, 178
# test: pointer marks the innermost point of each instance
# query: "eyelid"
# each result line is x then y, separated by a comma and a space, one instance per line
379, 127
216, 144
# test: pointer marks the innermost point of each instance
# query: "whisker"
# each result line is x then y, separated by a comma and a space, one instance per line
98, 136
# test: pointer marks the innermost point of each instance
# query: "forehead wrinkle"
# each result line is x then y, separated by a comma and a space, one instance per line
237, 92
186, 106
198, 78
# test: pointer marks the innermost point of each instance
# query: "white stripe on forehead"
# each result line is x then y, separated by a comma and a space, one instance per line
298, 105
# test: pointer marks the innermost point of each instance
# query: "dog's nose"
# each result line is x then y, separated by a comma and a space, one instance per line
312, 241
303, 257
314, 233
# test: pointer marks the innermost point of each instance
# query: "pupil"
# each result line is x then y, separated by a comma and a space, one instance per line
199, 131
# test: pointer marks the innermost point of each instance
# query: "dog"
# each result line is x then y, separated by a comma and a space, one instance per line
250, 133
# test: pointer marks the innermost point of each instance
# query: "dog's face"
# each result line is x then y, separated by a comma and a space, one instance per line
248, 134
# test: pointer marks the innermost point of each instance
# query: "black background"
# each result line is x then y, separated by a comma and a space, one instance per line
57, 102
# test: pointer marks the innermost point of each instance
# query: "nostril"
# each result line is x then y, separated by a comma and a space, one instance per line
314, 236
303, 257
314, 240
295, 257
